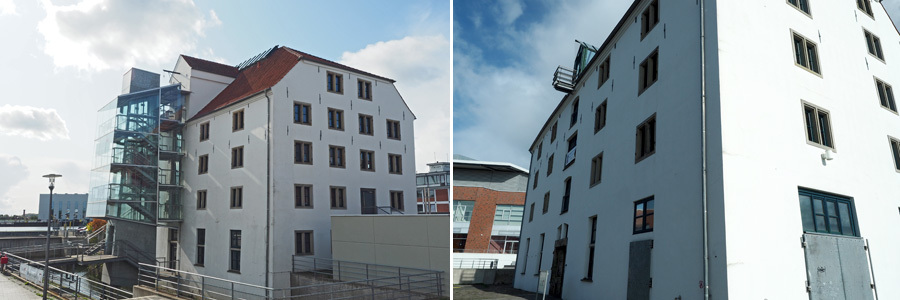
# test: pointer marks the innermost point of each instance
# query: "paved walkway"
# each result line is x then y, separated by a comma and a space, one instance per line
12, 288
491, 292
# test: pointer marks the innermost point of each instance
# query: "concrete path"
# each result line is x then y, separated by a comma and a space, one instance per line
12, 288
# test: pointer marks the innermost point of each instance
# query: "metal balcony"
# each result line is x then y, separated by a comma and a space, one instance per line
564, 79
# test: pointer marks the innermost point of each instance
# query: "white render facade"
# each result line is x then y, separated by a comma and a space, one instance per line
269, 218
760, 158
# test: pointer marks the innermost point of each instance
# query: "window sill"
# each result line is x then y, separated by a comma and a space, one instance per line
303, 207
338, 208
888, 109
639, 159
587, 280
302, 163
336, 92
199, 265
820, 146
234, 271
594, 184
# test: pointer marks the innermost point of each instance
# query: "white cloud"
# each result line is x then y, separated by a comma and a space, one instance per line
96, 35
421, 66
509, 11
32, 122
502, 107
7, 7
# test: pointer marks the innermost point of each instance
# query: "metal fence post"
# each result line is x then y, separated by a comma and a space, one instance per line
203, 288
232, 291
156, 284
338, 270
177, 284
440, 285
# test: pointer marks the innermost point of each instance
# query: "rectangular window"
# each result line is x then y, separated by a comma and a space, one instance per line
302, 113
649, 18
574, 117
234, 264
303, 152
570, 155
365, 160
553, 132
393, 129
600, 117
365, 124
201, 247
865, 6
335, 82
818, 125
886, 95
643, 215
535, 182
802, 5
531, 213
895, 150
546, 203
237, 157
525, 257
873, 43
397, 200
364, 89
335, 156
237, 197
649, 71
806, 54
303, 197
593, 240
645, 139
462, 210
303, 242
596, 169
565, 198
203, 165
603, 73
395, 164
540, 150
237, 120
201, 199
540, 255
204, 131
338, 197
827, 213
550, 164
335, 119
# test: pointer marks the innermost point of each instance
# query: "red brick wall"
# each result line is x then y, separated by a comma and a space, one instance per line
486, 202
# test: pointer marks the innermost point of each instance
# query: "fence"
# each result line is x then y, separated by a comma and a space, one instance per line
475, 263
312, 278
334, 279
66, 285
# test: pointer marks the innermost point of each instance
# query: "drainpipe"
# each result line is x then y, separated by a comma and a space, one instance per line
703, 149
268, 177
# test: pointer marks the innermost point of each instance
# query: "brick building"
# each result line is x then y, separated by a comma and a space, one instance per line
433, 189
488, 205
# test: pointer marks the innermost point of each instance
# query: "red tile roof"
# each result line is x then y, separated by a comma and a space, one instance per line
264, 74
210, 67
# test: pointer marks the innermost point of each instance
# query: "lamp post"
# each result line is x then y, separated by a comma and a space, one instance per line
52, 178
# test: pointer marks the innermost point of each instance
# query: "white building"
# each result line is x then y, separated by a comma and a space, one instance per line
787, 100
268, 151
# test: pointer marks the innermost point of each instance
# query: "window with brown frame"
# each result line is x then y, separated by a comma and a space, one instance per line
603, 72
303, 196
237, 120
203, 164
335, 82
201, 199
237, 157
303, 242
806, 54
802, 5
397, 200
600, 117
237, 197
645, 139
865, 6
886, 95
393, 129
649, 72
335, 119
818, 125
364, 89
338, 197
204, 131
335, 156
303, 152
366, 162
895, 151
302, 113
546, 203
649, 18
550, 164
873, 44
596, 169
395, 164
365, 124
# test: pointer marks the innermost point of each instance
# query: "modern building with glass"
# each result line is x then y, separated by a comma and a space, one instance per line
488, 205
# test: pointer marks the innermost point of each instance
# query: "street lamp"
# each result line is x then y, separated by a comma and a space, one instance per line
52, 178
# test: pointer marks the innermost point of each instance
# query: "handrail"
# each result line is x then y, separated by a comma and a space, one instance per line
97, 232
86, 290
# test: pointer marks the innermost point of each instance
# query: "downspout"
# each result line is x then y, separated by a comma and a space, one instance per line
268, 177
705, 187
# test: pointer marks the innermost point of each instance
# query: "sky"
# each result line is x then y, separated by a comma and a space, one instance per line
62, 60
504, 56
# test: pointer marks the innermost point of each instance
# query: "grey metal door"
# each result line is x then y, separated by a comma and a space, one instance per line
837, 268
367, 197
639, 280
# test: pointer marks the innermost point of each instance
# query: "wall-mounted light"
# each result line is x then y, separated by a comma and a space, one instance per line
827, 155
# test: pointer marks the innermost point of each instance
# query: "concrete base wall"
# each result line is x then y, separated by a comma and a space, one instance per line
141, 236
483, 276
119, 274
21, 241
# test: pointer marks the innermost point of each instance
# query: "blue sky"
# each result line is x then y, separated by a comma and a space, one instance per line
504, 55
63, 59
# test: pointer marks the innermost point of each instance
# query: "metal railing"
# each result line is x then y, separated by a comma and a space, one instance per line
475, 263
66, 285
564, 79
318, 279
491, 250
346, 280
